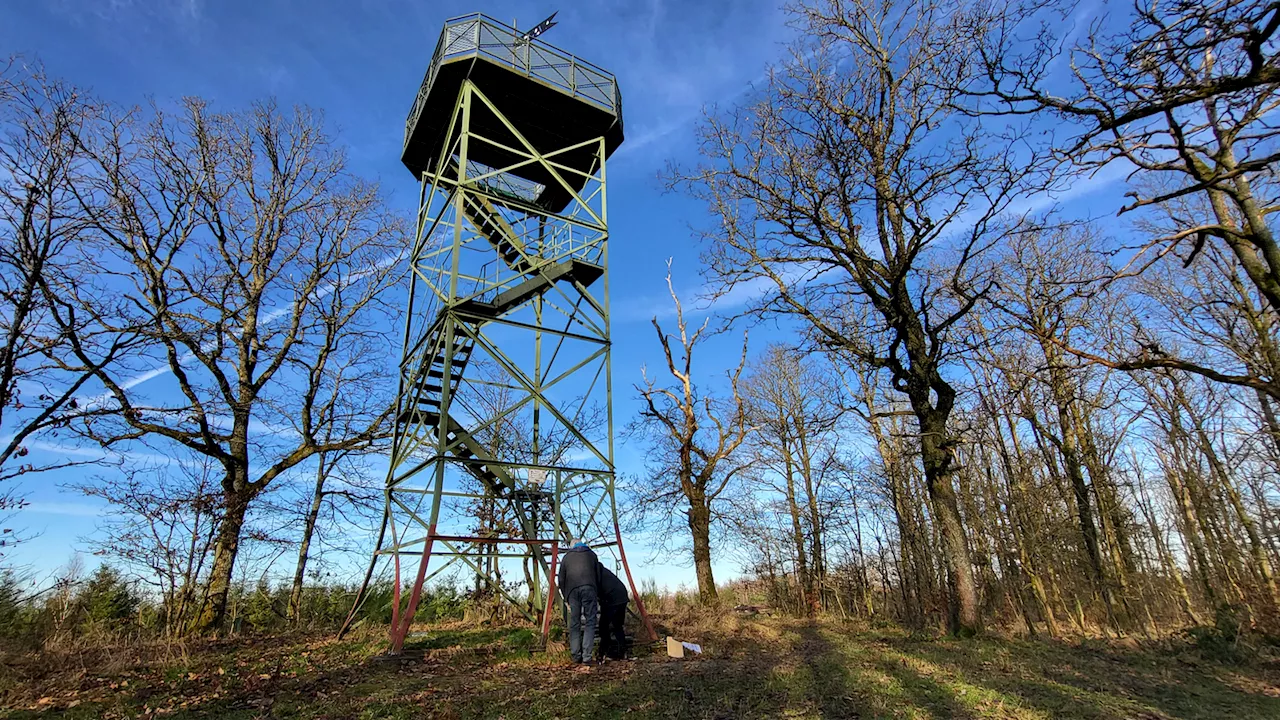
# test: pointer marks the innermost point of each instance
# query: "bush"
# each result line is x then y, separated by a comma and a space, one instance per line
443, 602
1226, 641
263, 608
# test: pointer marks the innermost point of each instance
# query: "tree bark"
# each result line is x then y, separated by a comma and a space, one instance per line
304, 546
700, 530
803, 580
963, 617
235, 506
817, 557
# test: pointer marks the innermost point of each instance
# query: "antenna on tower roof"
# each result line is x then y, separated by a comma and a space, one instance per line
540, 28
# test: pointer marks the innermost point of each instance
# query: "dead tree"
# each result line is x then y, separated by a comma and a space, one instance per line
694, 435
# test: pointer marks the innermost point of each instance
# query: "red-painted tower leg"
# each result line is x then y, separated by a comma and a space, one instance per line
401, 631
551, 593
395, 601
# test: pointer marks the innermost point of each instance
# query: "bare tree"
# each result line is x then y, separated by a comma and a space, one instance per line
41, 225
795, 407
854, 191
253, 264
1046, 297
693, 435
342, 490
1182, 96
161, 527
895, 474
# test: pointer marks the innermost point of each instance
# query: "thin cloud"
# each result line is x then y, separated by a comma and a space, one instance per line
267, 320
100, 454
68, 509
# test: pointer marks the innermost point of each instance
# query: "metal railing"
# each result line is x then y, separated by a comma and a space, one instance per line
481, 36
504, 184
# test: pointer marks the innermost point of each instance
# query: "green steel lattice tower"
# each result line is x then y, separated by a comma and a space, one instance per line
503, 448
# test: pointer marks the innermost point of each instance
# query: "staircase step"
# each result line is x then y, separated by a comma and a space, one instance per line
572, 269
458, 350
494, 227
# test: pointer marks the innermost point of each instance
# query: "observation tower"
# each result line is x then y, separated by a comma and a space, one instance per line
503, 445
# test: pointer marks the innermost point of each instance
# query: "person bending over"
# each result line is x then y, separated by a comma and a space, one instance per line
613, 611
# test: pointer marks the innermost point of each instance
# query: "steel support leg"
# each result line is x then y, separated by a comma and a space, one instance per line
402, 631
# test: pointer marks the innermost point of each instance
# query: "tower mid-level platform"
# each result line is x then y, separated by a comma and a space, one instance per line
555, 99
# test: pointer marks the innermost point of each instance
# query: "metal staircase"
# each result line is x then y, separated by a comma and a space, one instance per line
426, 390
427, 395
508, 139
479, 210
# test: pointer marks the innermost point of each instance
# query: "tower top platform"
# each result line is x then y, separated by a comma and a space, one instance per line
552, 99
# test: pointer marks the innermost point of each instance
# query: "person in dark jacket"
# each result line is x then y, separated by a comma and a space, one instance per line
579, 579
613, 611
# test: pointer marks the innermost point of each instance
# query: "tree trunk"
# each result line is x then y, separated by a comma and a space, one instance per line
1200, 506
1166, 558
803, 579
817, 557
908, 562
1069, 447
1020, 522
700, 529
909, 588
963, 619
1272, 426
1191, 532
308, 529
1257, 550
864, 582
236, 504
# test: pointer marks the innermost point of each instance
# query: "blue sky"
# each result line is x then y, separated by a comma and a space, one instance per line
361, 63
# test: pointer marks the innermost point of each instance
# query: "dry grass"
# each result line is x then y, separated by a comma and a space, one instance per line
752, 668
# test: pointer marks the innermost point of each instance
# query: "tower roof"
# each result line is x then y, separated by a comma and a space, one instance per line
548, 97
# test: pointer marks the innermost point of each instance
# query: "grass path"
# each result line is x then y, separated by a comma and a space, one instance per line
751, 669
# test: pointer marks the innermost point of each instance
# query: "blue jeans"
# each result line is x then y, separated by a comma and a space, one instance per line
583, 609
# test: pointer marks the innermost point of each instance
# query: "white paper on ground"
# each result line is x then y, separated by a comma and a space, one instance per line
693, 647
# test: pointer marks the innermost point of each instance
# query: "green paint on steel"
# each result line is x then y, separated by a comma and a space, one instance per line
506, 366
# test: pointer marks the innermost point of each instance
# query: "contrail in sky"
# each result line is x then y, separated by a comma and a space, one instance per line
267, 319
